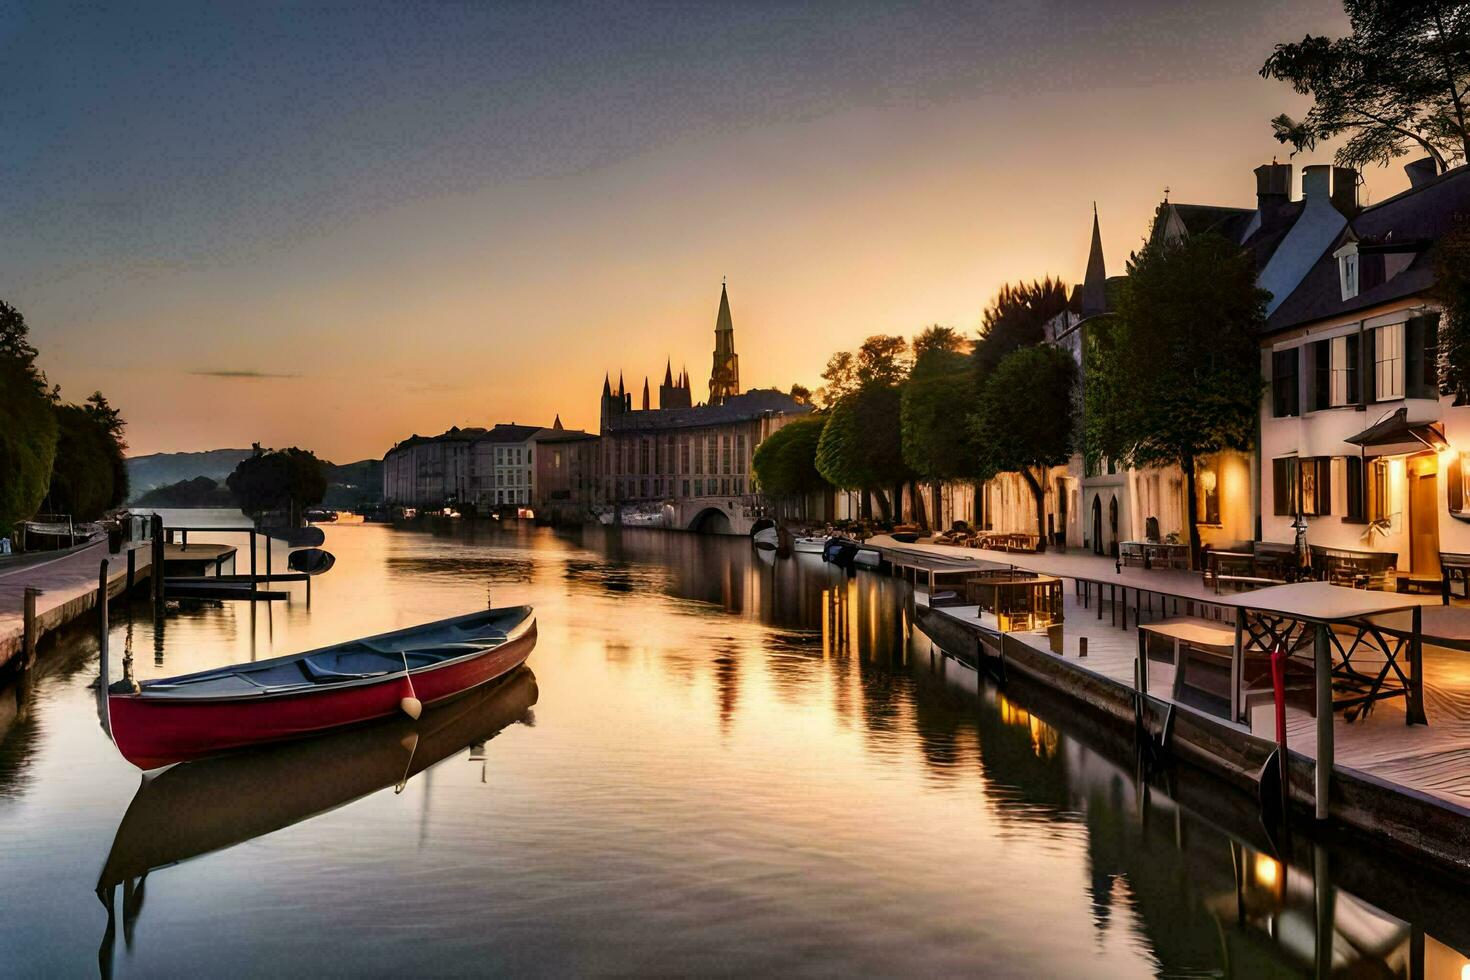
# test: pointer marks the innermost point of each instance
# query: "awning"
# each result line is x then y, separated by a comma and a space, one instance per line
1396, 434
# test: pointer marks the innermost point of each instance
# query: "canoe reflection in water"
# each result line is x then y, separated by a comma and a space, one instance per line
212, 804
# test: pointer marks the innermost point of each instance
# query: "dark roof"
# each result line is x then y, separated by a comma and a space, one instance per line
1200, 218
455, 434
736, 408
1415, 218
504, 432
564, 435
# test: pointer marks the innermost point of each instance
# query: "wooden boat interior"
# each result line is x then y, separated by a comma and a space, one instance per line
352, 661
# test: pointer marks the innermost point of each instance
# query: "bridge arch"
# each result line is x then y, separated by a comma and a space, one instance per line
711, 520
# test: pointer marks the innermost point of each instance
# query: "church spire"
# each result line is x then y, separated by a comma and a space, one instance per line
668, 373
556, 426
1094, 285
645, 392
606, 385
724, 378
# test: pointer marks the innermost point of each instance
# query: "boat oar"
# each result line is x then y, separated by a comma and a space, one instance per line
411, 705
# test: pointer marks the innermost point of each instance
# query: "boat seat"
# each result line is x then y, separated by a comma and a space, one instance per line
319, 672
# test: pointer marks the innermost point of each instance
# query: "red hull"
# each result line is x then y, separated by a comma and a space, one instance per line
154, 732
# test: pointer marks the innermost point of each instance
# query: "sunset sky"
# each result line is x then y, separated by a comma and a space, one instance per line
335, 226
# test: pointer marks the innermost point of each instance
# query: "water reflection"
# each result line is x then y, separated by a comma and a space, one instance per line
738, 766
195, 808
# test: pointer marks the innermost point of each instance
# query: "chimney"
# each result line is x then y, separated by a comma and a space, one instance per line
1317, 183
1273, 185
1345, 190
1421, 171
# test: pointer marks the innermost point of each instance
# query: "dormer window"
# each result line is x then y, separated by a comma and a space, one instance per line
1349, 270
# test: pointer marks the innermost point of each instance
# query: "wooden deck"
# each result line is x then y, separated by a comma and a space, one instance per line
68, 587
1433, 759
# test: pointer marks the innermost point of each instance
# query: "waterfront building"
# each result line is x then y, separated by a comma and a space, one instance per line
1357, 440
564, 476
504, 467
431, 471
684, 465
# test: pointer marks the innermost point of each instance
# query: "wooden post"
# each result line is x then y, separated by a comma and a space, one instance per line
1142, 669
1414, 715
102, 613
32, 628
1099, 601
1322, 653
252, 564
157, 571
267, 557
1237, 663
132, 567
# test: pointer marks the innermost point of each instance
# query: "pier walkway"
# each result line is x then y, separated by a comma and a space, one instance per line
1431, 759
68, 585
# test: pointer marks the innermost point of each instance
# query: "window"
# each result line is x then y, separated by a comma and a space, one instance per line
1380, 500
1284, 394
685, 489
1208, 481
1345, 370
1388, 362
1421, 357
1301, 486
1348, 271
725, 455
699, 488
684, 459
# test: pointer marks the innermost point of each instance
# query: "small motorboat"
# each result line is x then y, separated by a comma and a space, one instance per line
767, 539
312, 561
812, 544
847, 553
310, 536
174, 719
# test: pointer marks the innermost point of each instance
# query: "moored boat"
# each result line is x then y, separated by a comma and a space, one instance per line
809, 544
847, 553
174, 719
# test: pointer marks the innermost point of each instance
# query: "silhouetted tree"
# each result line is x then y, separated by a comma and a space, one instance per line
1015, 318
786, 462
937, 443
280, 479
1402, 77
1176, 374
1024, 421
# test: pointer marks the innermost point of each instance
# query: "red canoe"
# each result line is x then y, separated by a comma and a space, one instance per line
174, 719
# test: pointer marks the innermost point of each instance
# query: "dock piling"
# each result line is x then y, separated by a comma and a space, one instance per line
1323, 656
32, 629
132, 567
102, 614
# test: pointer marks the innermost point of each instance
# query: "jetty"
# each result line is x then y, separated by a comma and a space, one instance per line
1395, 760
54, 591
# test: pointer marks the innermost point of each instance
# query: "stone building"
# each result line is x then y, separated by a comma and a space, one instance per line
683, 465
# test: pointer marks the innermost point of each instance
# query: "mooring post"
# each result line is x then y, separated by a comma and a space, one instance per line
102, 613
1415, 713
32, 628
252, 564
132, 567
1323, 656
156, 572
267, 557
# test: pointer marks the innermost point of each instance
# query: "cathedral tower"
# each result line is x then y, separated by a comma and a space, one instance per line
724, 376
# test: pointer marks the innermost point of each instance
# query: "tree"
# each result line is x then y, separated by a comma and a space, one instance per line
27, 444
1176, 373
786, 462
82, 481
1452, 289
861, 446
1025, 419
279, 479
16, 347
937, 444
1015, 318
1401, 78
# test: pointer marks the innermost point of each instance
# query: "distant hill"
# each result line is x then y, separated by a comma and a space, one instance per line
164, 469
353, 486
198, 492
349, 486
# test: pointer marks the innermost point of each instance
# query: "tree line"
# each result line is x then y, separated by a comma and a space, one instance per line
55, 456
1172, 375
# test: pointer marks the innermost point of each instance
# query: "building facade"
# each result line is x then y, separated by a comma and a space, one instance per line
1357, 442
684, 465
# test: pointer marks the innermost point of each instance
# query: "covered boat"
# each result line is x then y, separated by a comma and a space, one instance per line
174, 719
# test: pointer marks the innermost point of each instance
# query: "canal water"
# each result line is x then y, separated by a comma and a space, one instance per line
718, 763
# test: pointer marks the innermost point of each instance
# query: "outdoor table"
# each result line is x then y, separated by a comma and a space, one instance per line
1309, 615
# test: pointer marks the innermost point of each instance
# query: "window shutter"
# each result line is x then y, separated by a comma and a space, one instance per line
1324, 485
1414, 358
1369, 375
1281, 479
1320, 384
1455, 484
1357, 505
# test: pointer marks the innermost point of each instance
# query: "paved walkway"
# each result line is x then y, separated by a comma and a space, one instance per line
68, 587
